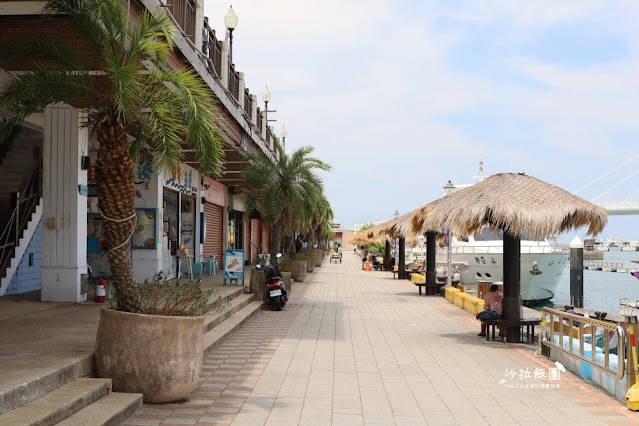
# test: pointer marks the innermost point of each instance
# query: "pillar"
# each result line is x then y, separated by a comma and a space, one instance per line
431, 248
240, 97
577, 273
199, 24
225, 64
401, 269
387, 256
511, 304
64, 215
254, 109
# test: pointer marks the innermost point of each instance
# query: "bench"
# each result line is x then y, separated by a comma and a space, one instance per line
529, 323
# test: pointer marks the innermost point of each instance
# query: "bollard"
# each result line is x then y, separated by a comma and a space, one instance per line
577, 273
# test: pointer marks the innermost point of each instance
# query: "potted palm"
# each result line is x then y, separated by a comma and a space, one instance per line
133, 100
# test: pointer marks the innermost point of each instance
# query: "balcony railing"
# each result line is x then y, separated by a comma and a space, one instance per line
234, 82
212, 49
248, 102
259, 120
184, 13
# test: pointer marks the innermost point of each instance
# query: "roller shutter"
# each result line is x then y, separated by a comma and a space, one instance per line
214, 231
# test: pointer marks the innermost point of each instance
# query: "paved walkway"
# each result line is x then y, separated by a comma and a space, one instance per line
355, 347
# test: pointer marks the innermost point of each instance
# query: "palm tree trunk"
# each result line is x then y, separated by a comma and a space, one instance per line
276, 238
116, 200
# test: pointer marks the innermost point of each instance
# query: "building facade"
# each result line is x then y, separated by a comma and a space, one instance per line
52, 230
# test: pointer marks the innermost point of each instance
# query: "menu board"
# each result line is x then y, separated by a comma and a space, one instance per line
145, 235
233, 265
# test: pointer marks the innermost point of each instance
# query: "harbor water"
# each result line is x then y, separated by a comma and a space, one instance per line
602, 290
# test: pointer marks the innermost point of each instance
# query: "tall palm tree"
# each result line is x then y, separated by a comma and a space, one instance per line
130, 93
281, 189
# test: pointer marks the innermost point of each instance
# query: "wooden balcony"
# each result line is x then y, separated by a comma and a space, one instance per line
184, 13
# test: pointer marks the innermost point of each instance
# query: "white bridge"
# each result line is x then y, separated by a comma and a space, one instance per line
619, 209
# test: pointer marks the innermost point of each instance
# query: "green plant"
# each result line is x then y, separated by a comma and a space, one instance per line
159, 296
377, 248
133, 99
286, 263
283, 190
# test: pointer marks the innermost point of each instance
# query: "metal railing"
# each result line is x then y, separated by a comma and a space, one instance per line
234, 82
559, 328
259, 120
26, 201
248, 102
183, 12
487, 249
212, 50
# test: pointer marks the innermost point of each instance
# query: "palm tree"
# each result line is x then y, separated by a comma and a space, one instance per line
282, 189
129, 91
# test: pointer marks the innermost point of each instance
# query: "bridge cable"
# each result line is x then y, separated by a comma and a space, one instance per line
616, 185
609, 172
632, 196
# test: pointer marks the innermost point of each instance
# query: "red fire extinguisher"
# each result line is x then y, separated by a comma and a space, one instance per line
100, 290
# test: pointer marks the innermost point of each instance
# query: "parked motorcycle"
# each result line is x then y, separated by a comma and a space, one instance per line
275, 288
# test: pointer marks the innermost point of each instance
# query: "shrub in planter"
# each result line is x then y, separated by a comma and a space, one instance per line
318, 255
156, 351
310, 261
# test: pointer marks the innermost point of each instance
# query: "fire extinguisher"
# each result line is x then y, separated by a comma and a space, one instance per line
100, 290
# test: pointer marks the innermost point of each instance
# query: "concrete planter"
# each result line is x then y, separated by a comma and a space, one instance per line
258, 281
288, 282
157, 356
310, 264
298, 271
319, 257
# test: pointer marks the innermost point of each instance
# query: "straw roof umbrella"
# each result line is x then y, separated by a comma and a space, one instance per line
518, 204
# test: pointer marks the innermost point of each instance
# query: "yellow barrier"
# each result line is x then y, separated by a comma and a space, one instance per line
417, 278
459, 298
462, 288
473, 305
449, 292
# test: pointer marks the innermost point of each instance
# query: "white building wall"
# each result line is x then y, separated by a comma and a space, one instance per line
64, 242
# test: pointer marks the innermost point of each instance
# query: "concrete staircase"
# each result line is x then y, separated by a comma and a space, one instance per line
64, 396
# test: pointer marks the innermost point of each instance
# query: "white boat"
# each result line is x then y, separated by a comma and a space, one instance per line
480, 258
599, 245
625, 245
612, 245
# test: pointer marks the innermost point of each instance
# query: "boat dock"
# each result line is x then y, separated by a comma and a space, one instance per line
607, 266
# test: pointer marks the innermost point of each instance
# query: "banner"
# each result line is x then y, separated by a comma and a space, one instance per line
233, 265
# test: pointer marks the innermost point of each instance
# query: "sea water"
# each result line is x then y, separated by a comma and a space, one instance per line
602, 290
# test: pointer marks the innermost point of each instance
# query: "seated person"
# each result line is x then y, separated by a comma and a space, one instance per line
492, 302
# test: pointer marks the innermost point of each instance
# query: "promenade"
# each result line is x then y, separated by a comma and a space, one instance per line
356, 347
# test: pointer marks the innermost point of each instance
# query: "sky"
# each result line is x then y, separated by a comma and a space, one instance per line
402, 96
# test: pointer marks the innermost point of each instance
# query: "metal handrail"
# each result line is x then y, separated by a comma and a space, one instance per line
26, 201
576, 323
498, 249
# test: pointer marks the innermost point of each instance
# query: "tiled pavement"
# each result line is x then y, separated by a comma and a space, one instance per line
355, 347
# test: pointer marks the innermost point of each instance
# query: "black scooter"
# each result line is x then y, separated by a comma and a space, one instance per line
275, 288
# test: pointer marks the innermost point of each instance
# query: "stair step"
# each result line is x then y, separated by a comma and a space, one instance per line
216, 336
214, 318
214, 303
113, 409
16, 393
59, 404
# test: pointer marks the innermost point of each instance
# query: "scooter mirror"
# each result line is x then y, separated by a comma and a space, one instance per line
278, 255
258, 266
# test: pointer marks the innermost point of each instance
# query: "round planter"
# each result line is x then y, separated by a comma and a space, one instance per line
318, 258
286, 276
257, 284
298, 271
157, 356
310, 264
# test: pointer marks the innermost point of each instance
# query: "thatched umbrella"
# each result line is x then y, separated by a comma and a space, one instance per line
519, 205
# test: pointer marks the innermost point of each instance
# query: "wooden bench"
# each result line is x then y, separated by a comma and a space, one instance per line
529, 323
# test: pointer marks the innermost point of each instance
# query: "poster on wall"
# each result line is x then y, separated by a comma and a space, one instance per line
145, 235
233, 265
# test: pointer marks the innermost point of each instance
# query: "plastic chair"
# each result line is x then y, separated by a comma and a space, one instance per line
198, 270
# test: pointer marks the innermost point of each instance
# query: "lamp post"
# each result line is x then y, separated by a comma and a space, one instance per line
395, 216
266, 97
449, 189
230, 21
283, 134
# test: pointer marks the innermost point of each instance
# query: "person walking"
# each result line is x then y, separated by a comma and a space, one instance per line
363, 254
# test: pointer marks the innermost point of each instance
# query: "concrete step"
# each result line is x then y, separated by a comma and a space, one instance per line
229, 293
215, 337
214, 318
113, 409
59, 404
14, 394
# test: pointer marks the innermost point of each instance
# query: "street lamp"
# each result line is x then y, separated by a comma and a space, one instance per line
266, 97
283, 134
449, 189
395, 216
230, 21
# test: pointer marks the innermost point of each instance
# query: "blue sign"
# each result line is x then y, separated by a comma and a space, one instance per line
233, 266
